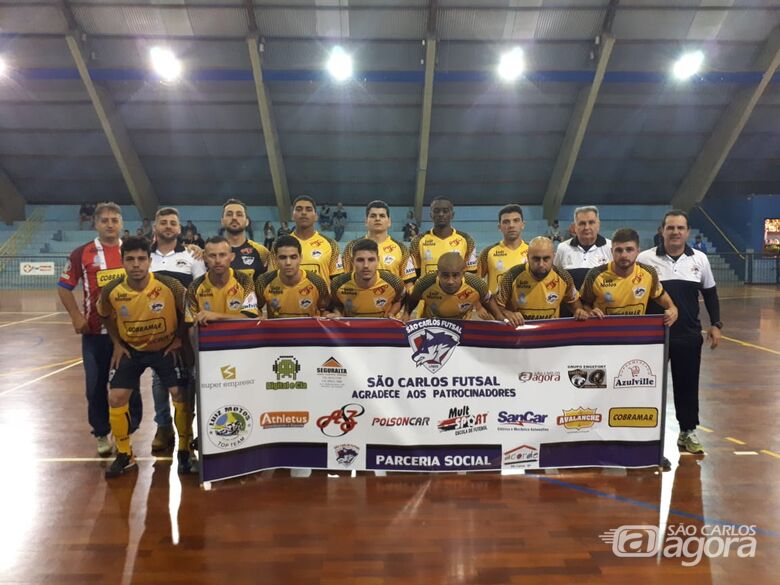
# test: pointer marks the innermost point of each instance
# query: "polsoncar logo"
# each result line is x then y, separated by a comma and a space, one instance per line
638, 417
229, 426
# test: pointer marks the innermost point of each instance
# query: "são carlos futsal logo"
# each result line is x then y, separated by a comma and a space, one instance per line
433, 342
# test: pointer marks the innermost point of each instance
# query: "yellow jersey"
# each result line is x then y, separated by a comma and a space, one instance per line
617, 295
237, 297
497, 259
438, 303
308, 298
320, 255
393, 257
426, 249
146, 320
354, 301
519, 291
250, 258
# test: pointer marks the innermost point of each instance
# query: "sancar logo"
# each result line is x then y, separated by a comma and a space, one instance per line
433, 342
523, 421
635, 374
463, 422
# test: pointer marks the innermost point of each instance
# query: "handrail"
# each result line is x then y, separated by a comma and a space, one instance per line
720, 231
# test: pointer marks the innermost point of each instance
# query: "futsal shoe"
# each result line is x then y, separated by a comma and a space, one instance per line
105, 446
164, 439
688, 441
186, 463
121, 465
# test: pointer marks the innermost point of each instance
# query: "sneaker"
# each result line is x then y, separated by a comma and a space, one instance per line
105, 446
187, 463
688, 441
164, 439
120, 465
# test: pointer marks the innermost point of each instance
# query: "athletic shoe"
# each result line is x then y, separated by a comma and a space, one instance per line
122, 464
164, 439
187, 463
105, 446
688, 441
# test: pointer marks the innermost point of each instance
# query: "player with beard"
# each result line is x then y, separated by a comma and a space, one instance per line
625, 286
427, 248
497, 259
536, 289
250, 257
451, 292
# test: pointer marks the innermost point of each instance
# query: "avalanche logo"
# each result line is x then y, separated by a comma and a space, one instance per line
433, 345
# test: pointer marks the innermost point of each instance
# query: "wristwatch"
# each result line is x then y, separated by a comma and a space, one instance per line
718, 324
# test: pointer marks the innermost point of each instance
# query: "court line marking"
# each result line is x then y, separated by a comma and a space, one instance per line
647, 505
770, 453
43, 367
750, 345
735, 441
745, 452
39, 378
705, 429
90, 459
23, 312
30, 319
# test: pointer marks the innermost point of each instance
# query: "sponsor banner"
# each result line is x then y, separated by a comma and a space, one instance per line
429, 395
36, 268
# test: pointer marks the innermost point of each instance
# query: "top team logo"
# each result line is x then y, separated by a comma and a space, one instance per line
433, 342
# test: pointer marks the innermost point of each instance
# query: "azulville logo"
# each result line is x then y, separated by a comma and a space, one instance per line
635, 374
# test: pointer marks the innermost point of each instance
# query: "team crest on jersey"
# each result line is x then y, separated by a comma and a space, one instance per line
234, 304
380, 302
552, 298
305, 303
316, 254
248, 260
464, 306
388, 260
639, 292
156, 307
433, 345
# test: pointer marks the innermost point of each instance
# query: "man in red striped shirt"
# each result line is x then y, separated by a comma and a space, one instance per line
95, 264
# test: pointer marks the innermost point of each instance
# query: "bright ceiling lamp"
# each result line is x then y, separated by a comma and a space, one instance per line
512, 64
688, 65
165, 64
3, 67
339, 64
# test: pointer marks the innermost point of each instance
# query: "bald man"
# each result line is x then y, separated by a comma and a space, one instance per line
536, 289
451, 292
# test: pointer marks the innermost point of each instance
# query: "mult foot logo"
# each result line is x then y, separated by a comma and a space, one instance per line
229, 427
433, 342
286, 368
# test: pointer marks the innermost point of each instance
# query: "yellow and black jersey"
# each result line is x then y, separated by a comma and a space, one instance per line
494, 261
393, 257
519, 291
354, 301
250, 258
308, 298
438, 303
237, 297
320, 255
426, 249
617, 295
146, 320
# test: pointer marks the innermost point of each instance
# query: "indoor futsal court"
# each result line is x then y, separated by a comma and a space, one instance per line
411, 291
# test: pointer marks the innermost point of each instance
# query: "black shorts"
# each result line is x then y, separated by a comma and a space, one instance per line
128, 373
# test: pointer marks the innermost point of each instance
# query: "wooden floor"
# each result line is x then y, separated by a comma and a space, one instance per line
61, 522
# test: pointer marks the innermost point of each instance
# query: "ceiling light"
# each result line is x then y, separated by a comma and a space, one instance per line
3, 67
165, 64
512, 64
688, 65
340, 64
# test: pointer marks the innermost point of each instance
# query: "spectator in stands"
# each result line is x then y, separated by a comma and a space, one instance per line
283, 230
554, 231
140, 233
699, 245
146, 229
188, 237
199, 241
86, 215
125, 234
658, 238
326, 221
410, 227
190, 226
270, 234
339, 221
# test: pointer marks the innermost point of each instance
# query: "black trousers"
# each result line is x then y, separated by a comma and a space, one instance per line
685, 356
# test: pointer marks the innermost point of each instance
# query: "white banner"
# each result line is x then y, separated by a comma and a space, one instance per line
36, 268
430, 395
